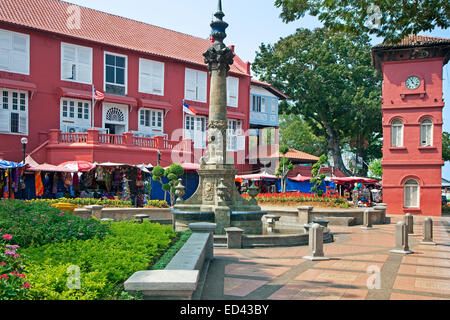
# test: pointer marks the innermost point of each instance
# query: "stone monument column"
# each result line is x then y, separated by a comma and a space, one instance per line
218, 58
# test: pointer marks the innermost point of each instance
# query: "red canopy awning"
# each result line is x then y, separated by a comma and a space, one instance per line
74, 93
20, 85
346, 180
300, 178
155, 104
120, 99
258, 176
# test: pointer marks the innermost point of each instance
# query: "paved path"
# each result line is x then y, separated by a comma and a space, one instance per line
281, 273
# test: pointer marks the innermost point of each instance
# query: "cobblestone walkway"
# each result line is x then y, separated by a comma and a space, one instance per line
281, 273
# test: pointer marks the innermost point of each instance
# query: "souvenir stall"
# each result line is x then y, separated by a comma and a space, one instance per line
116, 181
266, 182
302, 184
366, 187
11, 180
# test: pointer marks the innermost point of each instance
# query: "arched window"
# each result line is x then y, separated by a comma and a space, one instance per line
411, 194
115, 115
397, 133
426, 133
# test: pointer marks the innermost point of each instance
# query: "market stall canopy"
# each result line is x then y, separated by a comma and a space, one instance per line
45, 167
9, 164
445, 183
346, 180
300, 178
189, 166
77, 166
258, 176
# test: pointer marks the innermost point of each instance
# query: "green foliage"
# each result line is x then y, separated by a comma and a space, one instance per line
332, 85
81, 202
375, 168
284, 167
393, 19
317, 177
172, 173
156, 204
172, 251
38, 224
297, 134
104, 264
446, 146
284, 149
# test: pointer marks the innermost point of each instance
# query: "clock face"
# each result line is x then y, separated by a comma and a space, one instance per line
412, 82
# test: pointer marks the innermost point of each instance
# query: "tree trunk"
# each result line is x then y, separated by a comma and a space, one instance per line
333, 143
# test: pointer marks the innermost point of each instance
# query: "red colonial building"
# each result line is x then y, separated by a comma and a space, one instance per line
52, 56
412, 106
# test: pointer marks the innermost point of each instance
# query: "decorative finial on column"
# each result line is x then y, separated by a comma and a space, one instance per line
218, 55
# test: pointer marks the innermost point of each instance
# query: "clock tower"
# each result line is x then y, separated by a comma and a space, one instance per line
412, 105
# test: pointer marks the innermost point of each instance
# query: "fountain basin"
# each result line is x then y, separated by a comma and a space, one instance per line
249, 221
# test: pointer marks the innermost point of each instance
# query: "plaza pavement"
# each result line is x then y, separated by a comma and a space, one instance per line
281, 273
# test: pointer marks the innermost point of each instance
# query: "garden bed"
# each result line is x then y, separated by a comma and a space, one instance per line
295, 199
65, 257
106, 203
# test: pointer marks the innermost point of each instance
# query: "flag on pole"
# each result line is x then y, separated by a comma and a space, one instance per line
189, 110
98, 95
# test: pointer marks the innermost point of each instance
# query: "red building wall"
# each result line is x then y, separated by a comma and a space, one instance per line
44, 104
412, 161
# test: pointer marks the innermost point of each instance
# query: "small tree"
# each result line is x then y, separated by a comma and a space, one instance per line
375, 168
317, 178
172, 173
284, 167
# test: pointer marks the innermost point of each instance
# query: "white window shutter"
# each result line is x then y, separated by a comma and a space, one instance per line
84, 73
202, 86
23, 123
19, 62
190, 85
232, 91
145, 84
241, 142
4, 59
158, 77
67, 62
4, 120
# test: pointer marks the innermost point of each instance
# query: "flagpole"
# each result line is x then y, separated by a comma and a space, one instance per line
92, 108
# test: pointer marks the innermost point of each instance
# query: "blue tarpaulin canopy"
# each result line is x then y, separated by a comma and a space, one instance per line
8, 164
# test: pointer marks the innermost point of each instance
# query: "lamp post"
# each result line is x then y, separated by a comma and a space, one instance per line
24, 147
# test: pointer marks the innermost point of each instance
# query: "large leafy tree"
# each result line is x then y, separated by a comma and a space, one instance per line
332, 84
390, 19
446, 146
297, 134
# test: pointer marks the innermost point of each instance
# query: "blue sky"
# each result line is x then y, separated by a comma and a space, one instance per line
251, 23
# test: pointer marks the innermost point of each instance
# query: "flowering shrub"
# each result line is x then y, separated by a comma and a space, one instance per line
298, 197
38, 224
13, 285
157, 204
81, 202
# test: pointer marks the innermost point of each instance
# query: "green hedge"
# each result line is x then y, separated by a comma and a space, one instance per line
164, 260
446, 209
104, 264
33, 223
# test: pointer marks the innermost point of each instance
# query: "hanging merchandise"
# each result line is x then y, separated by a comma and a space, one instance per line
55, 184
76, 182
6, 189
125, 189
139, 182
108, 180
38, 184
67, 180
100, 174
117, 177
15, 180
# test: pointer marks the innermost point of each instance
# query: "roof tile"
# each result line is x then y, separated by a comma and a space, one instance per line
105, 28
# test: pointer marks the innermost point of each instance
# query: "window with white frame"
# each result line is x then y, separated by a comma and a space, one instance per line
151, 122
76, 63
115, 74
235, 137
411, 194
195, 85
151, 77
195, 129
13, 111
75, 115
397, 133
14, 52
232, 92
426, 133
